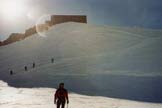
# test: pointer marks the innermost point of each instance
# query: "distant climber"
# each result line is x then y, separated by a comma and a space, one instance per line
61, 96
11, 72
52, 60
33, 64
26, 68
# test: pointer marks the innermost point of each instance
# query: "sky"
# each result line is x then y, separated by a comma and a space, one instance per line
129, 13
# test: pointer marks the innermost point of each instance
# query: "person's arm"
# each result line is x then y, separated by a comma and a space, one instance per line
55, 97
67, 98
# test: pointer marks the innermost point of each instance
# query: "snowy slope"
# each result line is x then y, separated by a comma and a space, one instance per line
92, 60
43, 98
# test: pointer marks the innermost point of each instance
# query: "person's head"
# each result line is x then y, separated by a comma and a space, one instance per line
61, 85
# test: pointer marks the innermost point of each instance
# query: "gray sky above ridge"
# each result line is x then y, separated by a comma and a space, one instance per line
131, 13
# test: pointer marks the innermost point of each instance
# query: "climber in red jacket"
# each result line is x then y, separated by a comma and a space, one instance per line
61, 96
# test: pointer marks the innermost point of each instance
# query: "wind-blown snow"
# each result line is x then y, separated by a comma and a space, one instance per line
92, 60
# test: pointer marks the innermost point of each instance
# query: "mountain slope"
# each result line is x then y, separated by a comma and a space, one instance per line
91, 60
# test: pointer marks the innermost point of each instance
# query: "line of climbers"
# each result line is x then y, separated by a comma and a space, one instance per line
26, 68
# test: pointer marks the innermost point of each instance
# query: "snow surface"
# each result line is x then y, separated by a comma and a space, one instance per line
43, 98
98, 62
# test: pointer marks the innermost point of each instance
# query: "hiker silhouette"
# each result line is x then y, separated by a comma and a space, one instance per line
61, 96
26, 68
52, 60
11, 72
33, 64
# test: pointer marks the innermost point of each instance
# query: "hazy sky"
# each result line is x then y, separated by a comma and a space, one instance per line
142, 13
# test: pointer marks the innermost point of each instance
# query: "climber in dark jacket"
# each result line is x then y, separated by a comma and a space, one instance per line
52, 60
11, 72
61, 96
33, 64
26, 68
